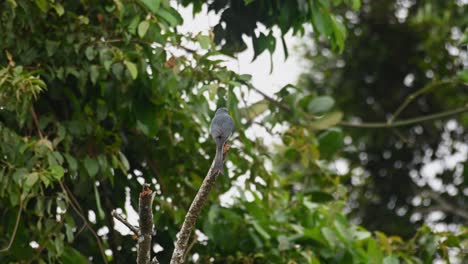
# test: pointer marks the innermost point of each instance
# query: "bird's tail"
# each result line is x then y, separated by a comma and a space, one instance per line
219, 158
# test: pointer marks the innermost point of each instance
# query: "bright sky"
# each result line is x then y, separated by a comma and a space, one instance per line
284, 71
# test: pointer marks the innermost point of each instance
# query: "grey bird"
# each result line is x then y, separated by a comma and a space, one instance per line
221, 129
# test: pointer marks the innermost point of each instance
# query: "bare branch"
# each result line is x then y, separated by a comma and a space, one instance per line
407, 122
388, 124
13, 235
427, 88
194, 241
145, 212
191, 218
446, 206
36, 123
76, 207
271, 99
125, 222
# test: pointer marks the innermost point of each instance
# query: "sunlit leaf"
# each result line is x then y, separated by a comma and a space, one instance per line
132, 68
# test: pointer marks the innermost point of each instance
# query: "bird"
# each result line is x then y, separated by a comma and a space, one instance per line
221, 129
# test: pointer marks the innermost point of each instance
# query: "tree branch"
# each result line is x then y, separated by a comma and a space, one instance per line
145, 212
76, 207
178, 256
124, 221
13, 235
414, 95
270, 99
407, 122
36, 123
446, 206
388, 124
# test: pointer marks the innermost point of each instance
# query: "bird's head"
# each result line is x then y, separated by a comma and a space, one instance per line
222, 110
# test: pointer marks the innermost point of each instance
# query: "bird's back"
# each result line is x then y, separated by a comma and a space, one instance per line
222, 125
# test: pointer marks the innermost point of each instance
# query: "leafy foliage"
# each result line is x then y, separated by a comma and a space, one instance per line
414, 53
98, 97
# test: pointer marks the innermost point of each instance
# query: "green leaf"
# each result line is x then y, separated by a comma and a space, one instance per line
463, 75
374, 253
107, 64
90, 53
13, 3
204, 41
72, 256
19, 175
245, 77
117, 70
343, 231
58, 243
57, 171
320, 104
42, 4
320, 197
260, 44
124, 162
98, 203
391, 260
285, 47
328, 120
339, 34
132, 68
132, 27
260, 230
254, 110
321, 18
69, 233
143, 28
59, 9
283, 243
91, 166
330, 236
31, 179
72, 164
330, 142
271, 42
152, 5
94, 73
51, 47
356, 4
171, 16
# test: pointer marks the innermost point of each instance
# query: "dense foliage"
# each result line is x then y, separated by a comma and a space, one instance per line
97, 97
400, 52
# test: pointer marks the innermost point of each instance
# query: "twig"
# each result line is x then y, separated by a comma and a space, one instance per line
414, 95
445, 205
192, 215
271, 99
406, 122
145, 212
13, 236
77, 209
154, 260
194, 240
36, 123
125, 222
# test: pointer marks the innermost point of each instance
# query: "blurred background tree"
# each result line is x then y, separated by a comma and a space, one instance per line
99, 97
400, 52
